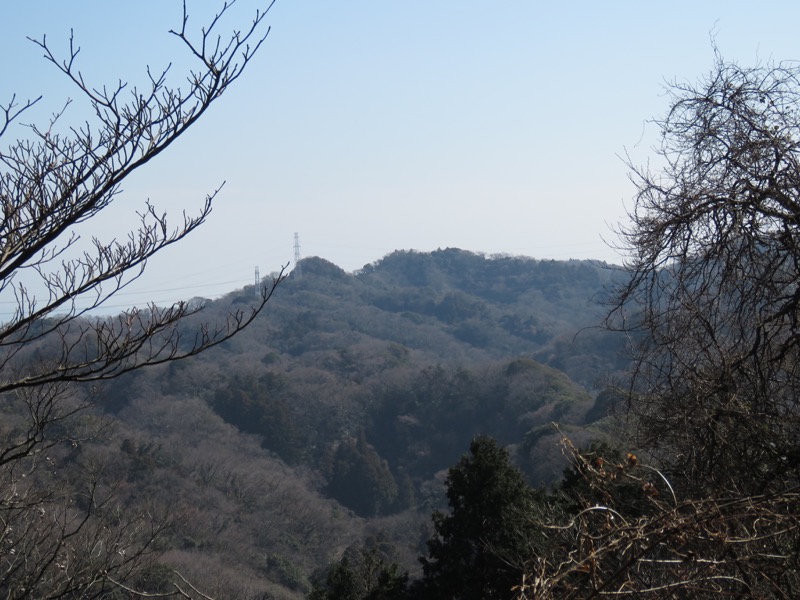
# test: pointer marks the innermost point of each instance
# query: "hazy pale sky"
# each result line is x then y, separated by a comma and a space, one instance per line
373, 125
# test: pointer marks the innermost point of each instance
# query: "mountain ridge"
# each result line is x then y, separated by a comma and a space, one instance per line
344, 404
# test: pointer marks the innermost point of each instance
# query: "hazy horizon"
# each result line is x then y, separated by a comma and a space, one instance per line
369, 127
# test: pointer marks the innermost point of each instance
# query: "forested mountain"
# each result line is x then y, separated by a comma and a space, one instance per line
334, 416
435, 426
447, 307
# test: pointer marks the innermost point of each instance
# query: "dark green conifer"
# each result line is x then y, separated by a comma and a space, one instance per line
479, 548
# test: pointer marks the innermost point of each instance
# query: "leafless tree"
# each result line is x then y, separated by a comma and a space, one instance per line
55, 542
713, 301
712, 308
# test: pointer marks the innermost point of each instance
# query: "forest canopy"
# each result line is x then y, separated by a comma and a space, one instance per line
438, 424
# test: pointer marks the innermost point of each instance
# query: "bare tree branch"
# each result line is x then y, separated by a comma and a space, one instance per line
57, 539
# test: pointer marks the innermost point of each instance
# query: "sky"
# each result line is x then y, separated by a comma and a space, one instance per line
367, 126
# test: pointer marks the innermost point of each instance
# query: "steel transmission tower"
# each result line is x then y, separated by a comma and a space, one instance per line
257, 284
297, 269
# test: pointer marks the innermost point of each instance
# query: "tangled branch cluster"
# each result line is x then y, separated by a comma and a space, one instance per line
60, 537
631, 535
712, 309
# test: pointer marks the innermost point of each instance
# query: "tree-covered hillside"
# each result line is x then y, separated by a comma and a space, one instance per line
355, 393
447, 307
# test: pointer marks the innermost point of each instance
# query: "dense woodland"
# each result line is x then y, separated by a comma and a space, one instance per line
439, 425
331, 421
251, 446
